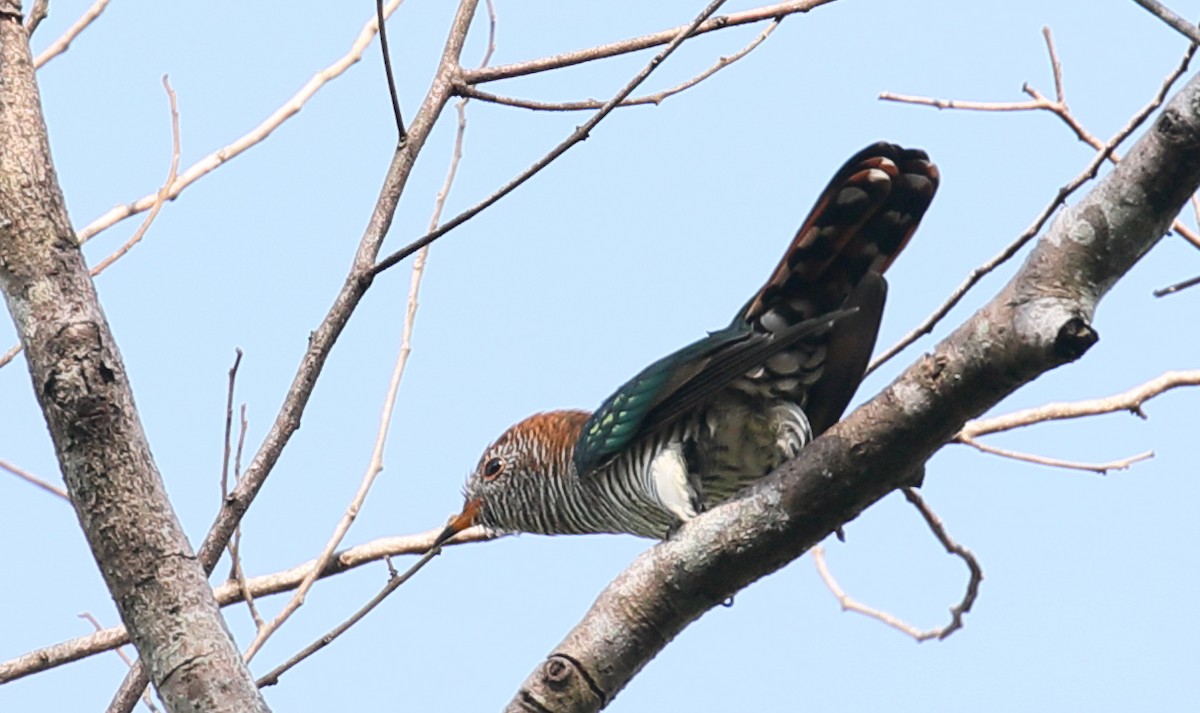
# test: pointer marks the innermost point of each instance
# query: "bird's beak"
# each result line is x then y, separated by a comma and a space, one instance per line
460, 522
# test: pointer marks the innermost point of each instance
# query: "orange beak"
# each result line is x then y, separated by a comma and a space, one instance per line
460, 522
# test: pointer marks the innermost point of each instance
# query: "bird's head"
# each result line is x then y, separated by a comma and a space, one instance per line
514, 486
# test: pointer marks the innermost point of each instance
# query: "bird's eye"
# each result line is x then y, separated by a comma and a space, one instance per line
493, 468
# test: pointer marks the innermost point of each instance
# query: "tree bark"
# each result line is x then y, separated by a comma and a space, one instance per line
1039, 321
80, 382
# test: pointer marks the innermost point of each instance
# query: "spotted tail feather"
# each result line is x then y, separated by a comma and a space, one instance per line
859, 224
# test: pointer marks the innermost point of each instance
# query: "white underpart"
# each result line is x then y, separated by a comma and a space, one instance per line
668, 473
792, 431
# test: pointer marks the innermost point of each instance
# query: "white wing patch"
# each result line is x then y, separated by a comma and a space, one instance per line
668, 473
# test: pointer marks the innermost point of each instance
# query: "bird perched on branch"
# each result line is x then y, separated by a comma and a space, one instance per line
698, 425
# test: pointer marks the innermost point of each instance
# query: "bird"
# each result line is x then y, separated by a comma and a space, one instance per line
697, 426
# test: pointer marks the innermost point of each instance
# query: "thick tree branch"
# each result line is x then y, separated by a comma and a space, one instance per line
1040, 320
84, 393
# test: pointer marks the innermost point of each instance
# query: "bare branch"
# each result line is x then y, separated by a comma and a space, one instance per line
375, 466
656, 98
848, 603
39, 11
581, 132
935, 524
1172, 289
1188, 234
161, 197
1060, 92
60, 45
966, 105
387, 68
34, 480
322, 339
1176, 22
1097, 468
635, 44
9, 355
233, 370
159, 200
394, 582
1105, 152
236, 573
357, 282
238, 576
232, 592
1131, 400
953, 547
123, 656
255, 136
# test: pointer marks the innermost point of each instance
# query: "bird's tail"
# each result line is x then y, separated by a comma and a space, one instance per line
860, 223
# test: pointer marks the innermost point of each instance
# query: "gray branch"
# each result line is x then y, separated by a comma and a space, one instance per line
78, 377
1040, 320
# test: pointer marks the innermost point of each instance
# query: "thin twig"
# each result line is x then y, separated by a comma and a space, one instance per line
375, 465
159, 200
238, 576
255, 136
11, 354
848, 603
163, 194
394, 582
1097, 468
965, 104
1060, 92
146, 698
322, 339
493, 20
955, 548
935, 524
1172, 289
656, 98
635, 44
387, 69
1130, 400
1105, 152
34, 480
964, 605
1057, 107
1189, 235
241, 443
1165, 14
236, 573
237, 361
230, 592
60, 45
580, 133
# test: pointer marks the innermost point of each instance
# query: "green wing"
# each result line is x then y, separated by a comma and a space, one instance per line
679, 382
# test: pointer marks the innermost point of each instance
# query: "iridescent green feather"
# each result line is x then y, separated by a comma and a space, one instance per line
684, 379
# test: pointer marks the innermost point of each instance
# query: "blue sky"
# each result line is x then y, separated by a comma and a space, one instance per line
655, 229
